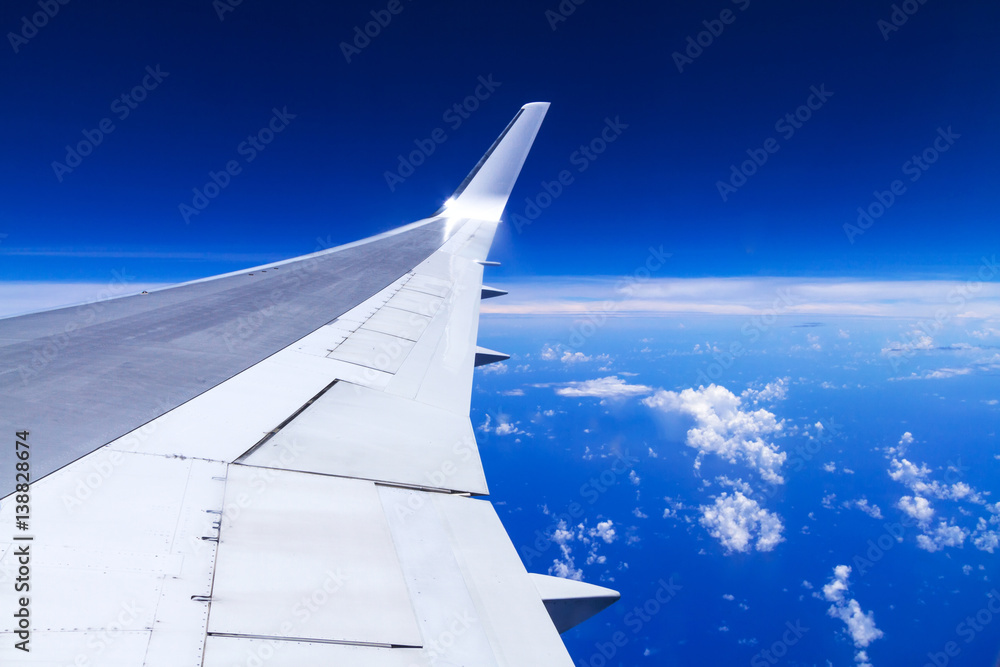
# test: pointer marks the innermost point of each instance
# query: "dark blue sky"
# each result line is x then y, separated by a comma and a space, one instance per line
323, 175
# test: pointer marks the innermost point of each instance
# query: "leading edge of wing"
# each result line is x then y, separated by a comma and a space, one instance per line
485, 191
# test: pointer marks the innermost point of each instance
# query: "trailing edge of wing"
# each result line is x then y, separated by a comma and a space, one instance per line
484, 192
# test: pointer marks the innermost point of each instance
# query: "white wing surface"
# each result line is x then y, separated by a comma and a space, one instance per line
274, 467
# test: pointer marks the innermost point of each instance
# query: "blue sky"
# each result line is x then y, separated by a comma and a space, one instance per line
886, 94
818, 440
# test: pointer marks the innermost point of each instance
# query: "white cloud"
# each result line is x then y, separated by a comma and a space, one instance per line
735, 520
916, 478
908, 473
772, 391
722, 428
604, 530
741, 296
871, 510
560, 353
912, 341
507, 428
986, 332
834, 590
737, 485
830, 467
494, 369
565, 535
564, 566
860, 626
503, 426
900, 449
918, 508
608, 387
985, 539
943, 536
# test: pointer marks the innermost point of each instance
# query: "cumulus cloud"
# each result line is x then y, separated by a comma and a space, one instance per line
503, 426
495, 369
564, 536
566, 356
604, 530
900, 449
944, 535
918, 508
986, 332
911, 342
565, 566
607, 387
723, 428
868, 508
860, 626
771, 392
984, 538
916, 477
836, 588
736, 520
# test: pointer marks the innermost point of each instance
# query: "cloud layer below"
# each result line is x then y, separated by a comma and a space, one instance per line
749, 296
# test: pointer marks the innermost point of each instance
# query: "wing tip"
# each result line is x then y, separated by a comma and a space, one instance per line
485, 191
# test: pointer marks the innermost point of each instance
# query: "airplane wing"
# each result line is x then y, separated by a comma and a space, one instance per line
272, 467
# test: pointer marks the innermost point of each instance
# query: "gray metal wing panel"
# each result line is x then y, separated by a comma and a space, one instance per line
79, 377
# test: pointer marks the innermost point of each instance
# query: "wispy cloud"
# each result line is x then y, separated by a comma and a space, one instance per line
606, 387
745, 296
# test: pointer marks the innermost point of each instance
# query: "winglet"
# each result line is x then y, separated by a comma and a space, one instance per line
487, 356
571, 602
484, 192
490, 292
